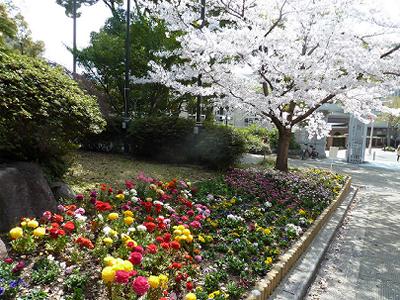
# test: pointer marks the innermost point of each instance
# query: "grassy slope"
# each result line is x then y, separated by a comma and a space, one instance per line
91, 168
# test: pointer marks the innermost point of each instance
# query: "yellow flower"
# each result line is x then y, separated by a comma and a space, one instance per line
127, 265
201, 239
302, 212
120, 196
163, 278
23, 223
183, 237
39, 232
268, 261
16, 233
128, 241
189, 238
33, 224
177, 232
148, 199
108, 274
108, 241
190, 296
109, 260
267, 231
154, 281
128, 213
113, 216
113, 232
125, 237
128, 220
186, 231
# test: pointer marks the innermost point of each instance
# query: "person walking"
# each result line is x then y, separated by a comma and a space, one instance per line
398, 152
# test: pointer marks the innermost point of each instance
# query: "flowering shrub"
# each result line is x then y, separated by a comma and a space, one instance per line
165, 240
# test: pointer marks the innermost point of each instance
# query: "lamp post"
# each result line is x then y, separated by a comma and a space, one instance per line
371, 135
74, 37
127, 70
199, 78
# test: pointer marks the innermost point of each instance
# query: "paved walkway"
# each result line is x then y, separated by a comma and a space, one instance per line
363, 261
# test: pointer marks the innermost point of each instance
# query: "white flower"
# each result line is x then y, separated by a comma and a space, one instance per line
267, 204
80, 218
234, 217
134, 199
63, 265
131, 229
255, 293
107, 230
100, 217
158, 202
126, 193
133, 192
294, 229
141, 228
50, 257
210, 197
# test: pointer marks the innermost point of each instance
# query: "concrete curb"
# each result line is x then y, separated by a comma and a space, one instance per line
296, 284
287, 260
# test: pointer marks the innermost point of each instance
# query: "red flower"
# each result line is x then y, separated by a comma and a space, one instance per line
190, 213
175, 245
158, 207
131, 245
103, 187
47, 215
159, 239
140, 285
150, 219
151, 248
167, 237
199, 217
69, 226
55, 225
179, 278
102, 206
147, 206
138, 249
150, 226
57, 218
129, 184
122, 276
135, 258
8, 260
184, 218
55, 232
133, 273
84, 242
176, 265
189, 285
165, 245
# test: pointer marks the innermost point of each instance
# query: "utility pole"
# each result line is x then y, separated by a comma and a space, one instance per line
371, 136
199, 78
74, 37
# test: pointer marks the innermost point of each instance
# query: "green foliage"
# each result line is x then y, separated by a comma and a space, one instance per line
75, 285
161, 138
104, 62
218, 147
256, 139
44, 271
42, 111
35, 295
15, 34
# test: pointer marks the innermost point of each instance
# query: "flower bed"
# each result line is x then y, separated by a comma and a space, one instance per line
165, 240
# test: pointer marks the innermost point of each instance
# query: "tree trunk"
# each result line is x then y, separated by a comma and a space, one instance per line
281, 163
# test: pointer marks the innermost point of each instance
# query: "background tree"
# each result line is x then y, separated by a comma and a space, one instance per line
283, 59
15, 34
393, 122
103, 61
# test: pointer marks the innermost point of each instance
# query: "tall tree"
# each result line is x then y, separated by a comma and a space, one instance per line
282, 59
103, 62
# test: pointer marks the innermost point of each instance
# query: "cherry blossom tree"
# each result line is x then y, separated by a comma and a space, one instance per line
282, 59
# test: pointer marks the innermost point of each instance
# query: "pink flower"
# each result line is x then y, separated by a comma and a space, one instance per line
135, 258
140, 285
195, 224
122, 276
138, 249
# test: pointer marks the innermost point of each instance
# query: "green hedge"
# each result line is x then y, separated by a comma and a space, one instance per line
161, 138
43, 112
170, 139
256, 139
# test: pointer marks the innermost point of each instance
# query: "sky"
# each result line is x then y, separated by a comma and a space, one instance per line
49, 23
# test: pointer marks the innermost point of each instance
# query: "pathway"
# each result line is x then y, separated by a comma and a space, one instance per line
363, 262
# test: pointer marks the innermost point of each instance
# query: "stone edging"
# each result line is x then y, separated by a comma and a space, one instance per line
285, 262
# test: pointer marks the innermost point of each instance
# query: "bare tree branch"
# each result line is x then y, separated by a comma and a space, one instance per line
313, 109
394, 49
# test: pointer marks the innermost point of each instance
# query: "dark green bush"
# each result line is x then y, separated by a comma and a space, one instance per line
218, 147
162, 138
256, 138
110, 140
43, 112
171, 139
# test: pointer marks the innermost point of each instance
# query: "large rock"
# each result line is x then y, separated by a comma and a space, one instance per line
3, 250
24, 192
61, 191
